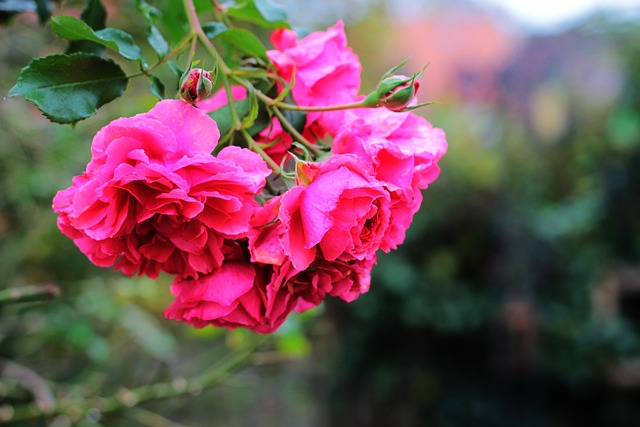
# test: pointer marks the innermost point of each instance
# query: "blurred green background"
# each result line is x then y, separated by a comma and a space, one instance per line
515, 300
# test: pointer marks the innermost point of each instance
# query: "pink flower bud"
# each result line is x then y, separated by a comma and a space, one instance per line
400, 91
196, 85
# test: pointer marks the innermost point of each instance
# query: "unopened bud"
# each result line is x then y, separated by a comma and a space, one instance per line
394, 92
196, 85
397, 92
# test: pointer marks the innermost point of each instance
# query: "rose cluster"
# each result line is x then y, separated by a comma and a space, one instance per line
154, 199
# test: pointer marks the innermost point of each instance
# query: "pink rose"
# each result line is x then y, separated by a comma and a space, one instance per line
239, 294
260, 296
343, 213
404, 150
327, 72
346, 280
154, 199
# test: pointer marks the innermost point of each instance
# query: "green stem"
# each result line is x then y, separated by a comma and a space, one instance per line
197, 30
285, 106
297, 135
188, 39
255, 147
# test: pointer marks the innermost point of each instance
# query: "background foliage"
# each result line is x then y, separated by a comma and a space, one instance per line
514, 300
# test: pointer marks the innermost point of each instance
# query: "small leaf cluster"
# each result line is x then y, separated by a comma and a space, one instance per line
71, 86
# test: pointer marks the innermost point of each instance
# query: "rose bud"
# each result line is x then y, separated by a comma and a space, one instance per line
196, 85
400, 92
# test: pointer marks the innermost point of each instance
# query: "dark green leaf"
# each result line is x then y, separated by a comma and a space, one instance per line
125, 45
74, 29
265, 13
244, 41
69, 88
223, 116
96, 17
154, 36
157, 41
156, 87
298, 119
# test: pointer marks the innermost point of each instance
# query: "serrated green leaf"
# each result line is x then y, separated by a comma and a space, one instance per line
125, 45
157, 87
264, 13
69, 88
74, 29
244, 41
157, 41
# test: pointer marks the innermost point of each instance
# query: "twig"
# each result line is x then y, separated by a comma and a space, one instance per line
28, 293
31, 381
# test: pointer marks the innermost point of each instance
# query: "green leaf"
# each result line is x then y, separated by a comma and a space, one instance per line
74, 29
264, 13
149, 12
69, 88
244, 41
175, 70
96, 17
298, 119
154, 36
172, 20
223, 117
251, 116
157, 41
212, 29
156, 87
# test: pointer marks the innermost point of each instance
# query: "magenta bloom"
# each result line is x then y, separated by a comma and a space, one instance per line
404, 150
239, 294
342, 214
154, 199
327, 72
